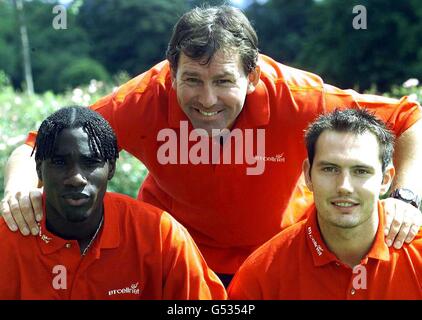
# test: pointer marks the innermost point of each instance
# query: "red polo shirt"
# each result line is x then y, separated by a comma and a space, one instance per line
296, 264
228, 212
140, 253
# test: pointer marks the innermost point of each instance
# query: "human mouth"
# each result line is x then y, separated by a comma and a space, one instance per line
207, 114
76, 199
345, 205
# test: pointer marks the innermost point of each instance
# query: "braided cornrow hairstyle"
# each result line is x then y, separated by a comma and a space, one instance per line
101, 137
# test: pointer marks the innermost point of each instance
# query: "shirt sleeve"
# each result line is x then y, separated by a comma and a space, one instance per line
186, 274
400, 114
245, 284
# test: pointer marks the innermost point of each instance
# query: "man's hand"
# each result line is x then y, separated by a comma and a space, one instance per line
402, 222
22, 210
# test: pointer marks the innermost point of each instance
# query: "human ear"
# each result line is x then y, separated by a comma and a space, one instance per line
253, 79
306, 168
387, 179
38, 168
111, 168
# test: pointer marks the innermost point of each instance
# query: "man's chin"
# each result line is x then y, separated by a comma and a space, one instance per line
210, 129
77, 218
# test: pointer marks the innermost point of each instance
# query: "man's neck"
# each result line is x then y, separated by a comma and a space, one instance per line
350, 245
80, 231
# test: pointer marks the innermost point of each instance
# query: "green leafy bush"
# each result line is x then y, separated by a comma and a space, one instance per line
80, 72
4, 80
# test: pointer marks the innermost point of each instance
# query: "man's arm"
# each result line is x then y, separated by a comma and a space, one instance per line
403, 219
408, 159
22, 199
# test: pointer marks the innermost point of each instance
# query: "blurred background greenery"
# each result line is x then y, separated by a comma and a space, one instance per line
108, 41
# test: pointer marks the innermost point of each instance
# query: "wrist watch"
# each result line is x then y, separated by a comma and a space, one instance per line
406, 195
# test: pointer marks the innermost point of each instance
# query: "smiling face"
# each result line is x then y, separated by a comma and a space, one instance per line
75, 181
212, 95
346, 178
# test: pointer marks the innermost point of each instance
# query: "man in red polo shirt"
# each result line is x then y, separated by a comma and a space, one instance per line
231, 189
93, 244
339, 251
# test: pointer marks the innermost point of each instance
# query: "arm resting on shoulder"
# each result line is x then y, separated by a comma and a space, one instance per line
22, 199
402, 219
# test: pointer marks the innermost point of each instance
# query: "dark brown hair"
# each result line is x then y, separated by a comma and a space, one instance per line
357, 121
201, 32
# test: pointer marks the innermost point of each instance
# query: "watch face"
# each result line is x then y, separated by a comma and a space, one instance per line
406, 194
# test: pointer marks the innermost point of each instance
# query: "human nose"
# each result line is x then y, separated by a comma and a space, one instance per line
344, 183
208, 96
75, 177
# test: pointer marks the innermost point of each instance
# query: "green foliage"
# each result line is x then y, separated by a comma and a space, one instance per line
281, 25
384, 54
129, 35
411, 88
319, 36
20, 113
132, 35
4, 80
80, 72
9, 53
54, 51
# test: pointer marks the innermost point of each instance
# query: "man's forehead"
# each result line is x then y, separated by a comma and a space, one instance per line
349, 147
75, 139
219, 63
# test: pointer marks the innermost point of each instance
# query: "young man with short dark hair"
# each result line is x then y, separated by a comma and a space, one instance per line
339, 251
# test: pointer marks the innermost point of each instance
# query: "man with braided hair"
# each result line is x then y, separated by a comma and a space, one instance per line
93, 244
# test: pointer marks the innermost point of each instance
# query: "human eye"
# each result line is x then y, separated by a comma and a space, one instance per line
223, 81
57, 161
361, 171
329, 169
192, 80
93, 162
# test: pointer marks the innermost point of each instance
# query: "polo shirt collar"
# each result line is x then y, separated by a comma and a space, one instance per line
255, 112
319, 251
48, 242
321, 255
109, 236
379, 249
